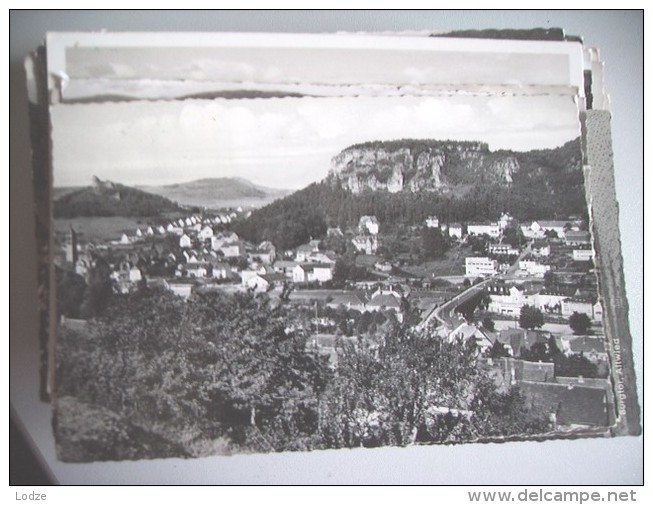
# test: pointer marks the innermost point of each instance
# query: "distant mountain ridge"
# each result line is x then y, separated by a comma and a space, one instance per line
216, 192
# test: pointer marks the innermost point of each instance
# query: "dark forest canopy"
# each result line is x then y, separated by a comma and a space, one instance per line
222, 373
548, 185
419, 145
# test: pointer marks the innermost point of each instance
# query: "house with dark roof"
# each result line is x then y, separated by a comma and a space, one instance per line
540, 248
303, 252
264, 282
479, 335
593, 348
578, 238
284, 267
353, 300
567, 405
383, 302
514, 370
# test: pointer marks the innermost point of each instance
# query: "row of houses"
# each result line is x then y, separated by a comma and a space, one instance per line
508, 299
385, 297
569, 230
569, 402
202, 226
516, 340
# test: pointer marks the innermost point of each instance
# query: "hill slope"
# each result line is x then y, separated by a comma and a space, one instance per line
105, 198
402, 182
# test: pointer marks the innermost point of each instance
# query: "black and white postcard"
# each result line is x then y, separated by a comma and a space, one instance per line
268, 243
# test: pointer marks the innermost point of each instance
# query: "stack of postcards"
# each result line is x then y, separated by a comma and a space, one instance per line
278, 242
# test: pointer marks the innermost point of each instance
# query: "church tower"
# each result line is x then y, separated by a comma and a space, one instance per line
71, 247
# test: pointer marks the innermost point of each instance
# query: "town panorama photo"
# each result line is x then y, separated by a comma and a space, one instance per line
302, 273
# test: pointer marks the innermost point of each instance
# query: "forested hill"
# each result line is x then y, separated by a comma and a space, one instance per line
543, 184
105, 198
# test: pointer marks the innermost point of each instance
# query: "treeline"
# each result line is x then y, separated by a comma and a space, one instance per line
117, 200
305, 214
220, 373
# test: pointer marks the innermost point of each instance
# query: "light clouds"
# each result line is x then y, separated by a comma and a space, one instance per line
282, 142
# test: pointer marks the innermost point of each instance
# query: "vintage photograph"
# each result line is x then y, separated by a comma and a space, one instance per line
305, 273
256, 244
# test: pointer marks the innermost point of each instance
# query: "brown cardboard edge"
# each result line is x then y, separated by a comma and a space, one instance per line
42, 182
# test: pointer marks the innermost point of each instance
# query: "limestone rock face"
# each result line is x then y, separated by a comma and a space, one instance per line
419, 165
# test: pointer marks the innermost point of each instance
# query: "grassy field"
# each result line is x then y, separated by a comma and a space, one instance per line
452, 264
99, 228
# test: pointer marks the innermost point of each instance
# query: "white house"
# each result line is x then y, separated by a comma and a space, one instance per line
468, 331
199, 270
540, 248
491, 229
367, 244
233, 249
205, 233
582, 305
246, 275
538, 229
257, 283
265, 252
533, 267
221, 270
183, 290
432, 222
285, 267
475, 267
383, 266
322, 257
161, 230
508, 299
506, 220
312, 272
456, 230
134, 274
368, 225
303, 252
502, 249
334, 232
583, 254
185, 241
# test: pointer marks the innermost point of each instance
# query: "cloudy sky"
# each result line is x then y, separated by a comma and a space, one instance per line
284, 143
494, 62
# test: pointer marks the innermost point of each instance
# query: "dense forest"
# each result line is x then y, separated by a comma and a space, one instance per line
548, 185
154, 376
106, 199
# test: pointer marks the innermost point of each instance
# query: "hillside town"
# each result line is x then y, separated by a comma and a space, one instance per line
524, 293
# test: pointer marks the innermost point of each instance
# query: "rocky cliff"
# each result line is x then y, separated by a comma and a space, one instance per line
420, 165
